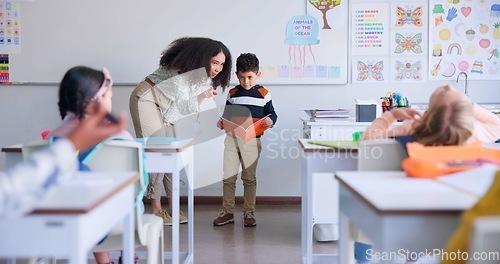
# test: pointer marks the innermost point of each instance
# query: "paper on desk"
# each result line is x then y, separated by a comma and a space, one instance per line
475, 181
338, 144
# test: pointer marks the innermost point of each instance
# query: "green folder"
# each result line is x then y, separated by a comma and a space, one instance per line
338, 144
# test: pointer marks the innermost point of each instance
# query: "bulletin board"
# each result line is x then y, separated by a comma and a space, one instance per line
128, 37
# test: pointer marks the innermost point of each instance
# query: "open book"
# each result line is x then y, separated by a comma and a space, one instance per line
244, 133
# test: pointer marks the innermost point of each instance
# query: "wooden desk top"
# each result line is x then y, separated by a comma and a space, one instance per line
390, 192
84, 192
13, 148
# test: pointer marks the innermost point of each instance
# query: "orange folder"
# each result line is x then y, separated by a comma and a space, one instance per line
431, 162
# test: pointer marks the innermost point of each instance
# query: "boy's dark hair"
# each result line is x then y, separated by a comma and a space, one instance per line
247, 62
78, 86
188, 54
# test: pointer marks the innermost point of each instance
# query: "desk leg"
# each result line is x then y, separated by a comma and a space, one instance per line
78, 257
128, 237
190, 174
346, 241
175, 215
306, 229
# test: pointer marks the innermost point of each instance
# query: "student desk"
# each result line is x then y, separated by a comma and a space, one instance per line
175, 158
169, 158
396, 212
73, 217
318, 188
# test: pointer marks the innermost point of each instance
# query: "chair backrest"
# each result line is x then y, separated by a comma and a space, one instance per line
380, 154
110, 156
33, 146
485, 237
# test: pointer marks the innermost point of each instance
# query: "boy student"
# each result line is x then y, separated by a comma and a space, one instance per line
247, 103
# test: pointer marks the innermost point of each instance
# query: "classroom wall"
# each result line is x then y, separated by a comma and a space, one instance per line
27, 110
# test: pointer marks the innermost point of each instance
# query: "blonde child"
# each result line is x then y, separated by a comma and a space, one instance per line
450, 120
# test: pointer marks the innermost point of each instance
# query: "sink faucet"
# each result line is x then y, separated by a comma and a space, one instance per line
465, 83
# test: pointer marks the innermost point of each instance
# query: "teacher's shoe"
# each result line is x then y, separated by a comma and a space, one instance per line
223, 218
249, 219
163, 214
182, 218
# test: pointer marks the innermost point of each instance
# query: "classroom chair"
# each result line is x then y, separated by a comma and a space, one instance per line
115, 156
375, 155
380, 154
485, 237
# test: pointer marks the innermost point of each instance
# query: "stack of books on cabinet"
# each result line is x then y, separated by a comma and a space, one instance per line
333, 115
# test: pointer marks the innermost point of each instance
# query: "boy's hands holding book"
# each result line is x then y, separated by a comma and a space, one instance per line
246, 130
267, 122
220, 124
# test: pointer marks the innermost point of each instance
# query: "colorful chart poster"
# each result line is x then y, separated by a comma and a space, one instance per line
10, 30
370, 29
4, 68
464, 37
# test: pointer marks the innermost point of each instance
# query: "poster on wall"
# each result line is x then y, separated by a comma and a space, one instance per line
408, 41
389, 41
4, 68
10, 30
370, 29
464, 37
316, 46
370, 70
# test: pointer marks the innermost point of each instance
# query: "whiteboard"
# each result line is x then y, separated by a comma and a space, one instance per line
128, 36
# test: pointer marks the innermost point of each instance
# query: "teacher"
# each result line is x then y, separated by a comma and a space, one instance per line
189, 70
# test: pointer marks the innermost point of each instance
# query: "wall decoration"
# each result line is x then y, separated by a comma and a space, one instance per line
464, 37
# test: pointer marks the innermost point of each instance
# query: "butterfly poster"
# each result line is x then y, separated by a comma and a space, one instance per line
409, 14
370, 70
412, 69
408, 43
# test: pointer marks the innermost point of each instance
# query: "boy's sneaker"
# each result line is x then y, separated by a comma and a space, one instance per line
249, 219
223, 218
182, 218
167, 219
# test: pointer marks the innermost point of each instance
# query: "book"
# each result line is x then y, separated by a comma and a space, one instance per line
245, 133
